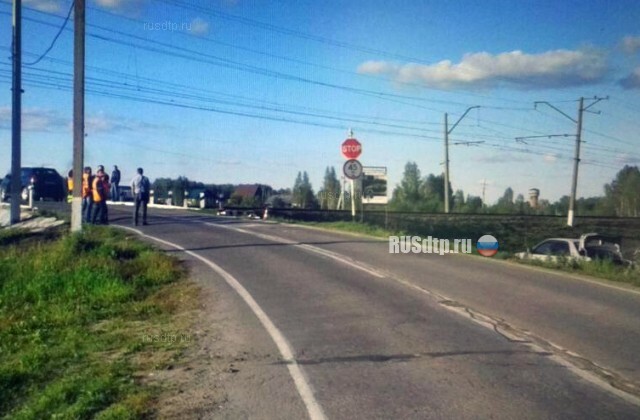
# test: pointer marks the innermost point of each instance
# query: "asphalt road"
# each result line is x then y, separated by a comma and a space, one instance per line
374, 335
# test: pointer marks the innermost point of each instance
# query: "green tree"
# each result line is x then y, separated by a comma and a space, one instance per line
623, 194
330, 192
505, 203
303, 195
407, 196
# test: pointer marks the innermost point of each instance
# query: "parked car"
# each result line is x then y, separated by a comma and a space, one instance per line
125, 193
47, 183
588, 247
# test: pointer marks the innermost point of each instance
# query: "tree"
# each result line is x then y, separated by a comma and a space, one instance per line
623, 194
473, 204
407, 196
505, 203
330, 192
303, 195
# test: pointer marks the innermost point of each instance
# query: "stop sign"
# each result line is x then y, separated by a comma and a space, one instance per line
351, 148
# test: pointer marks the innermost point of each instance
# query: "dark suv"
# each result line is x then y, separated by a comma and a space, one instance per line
46, 182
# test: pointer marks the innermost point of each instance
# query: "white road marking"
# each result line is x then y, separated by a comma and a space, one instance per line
302, 385
330, 254
477, 317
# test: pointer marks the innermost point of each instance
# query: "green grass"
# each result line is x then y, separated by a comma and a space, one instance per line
76, 312
351, 227
599, 269
603, 269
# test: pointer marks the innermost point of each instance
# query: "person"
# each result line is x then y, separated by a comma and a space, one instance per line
104, 214
115, 184
87, 194
100, 190
70, 186
140, 188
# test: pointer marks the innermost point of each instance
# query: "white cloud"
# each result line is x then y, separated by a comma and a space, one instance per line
33, 119
501, 158
199, 26
632, 81
102, 123
517, 69
131, 8
630, 44
49, 6
550, 157
627, 159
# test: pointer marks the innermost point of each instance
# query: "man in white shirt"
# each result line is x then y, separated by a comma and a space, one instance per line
140, 188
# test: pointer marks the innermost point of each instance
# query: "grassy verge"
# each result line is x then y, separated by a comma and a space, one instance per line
599, 269
83, 319
351, 227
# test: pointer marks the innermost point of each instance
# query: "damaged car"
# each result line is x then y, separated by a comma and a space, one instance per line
589, 247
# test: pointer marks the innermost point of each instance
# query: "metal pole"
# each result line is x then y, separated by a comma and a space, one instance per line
353, 201
446, 163
576, 162
16, 116
78, 113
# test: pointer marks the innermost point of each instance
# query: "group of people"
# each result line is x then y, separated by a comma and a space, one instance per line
98, 188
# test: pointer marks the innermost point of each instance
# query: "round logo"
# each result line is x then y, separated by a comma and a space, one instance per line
487, 246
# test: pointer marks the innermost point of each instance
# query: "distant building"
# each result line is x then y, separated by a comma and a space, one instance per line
534, 195
257, 191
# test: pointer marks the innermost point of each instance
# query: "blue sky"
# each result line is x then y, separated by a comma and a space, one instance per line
234, 91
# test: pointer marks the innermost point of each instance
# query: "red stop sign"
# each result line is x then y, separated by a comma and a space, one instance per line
351, 148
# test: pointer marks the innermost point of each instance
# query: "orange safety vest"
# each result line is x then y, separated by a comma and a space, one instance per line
86, 185
104, 187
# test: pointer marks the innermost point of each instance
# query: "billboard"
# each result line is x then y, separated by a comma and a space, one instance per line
374, 185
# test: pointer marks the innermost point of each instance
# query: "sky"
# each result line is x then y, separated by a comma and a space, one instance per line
237, 91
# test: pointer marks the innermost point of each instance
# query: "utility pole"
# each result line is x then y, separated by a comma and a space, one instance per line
484, 186
78, 113
576, 162
448, 131
576, 159
16, 114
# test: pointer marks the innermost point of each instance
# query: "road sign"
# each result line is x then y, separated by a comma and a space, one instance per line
374, 185
351, 148
352, 169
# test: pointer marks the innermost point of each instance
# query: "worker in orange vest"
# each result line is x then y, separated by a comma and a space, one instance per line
70, 186
87, 194
100, 191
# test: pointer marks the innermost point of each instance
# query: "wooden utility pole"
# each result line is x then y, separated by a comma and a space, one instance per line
78, 113
16, 114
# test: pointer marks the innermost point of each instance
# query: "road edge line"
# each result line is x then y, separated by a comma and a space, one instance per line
295, 371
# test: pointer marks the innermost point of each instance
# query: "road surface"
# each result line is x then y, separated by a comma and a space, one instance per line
364, 334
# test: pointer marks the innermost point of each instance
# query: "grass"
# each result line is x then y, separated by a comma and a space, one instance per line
599, 269
78, 314
351, 227
603, 269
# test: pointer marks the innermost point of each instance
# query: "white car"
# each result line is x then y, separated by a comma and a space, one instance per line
589, 247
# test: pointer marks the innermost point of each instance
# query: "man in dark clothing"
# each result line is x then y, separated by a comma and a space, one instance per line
100, 191
140, 188
115, 184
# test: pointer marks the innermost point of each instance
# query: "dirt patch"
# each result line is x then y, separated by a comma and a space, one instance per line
230, 369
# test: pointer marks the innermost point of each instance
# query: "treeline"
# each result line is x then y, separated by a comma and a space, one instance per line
426, 194
416, 193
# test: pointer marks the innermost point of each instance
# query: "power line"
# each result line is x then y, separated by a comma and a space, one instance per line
306, 63
64, 24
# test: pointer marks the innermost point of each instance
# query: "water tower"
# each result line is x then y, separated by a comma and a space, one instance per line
534, 194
